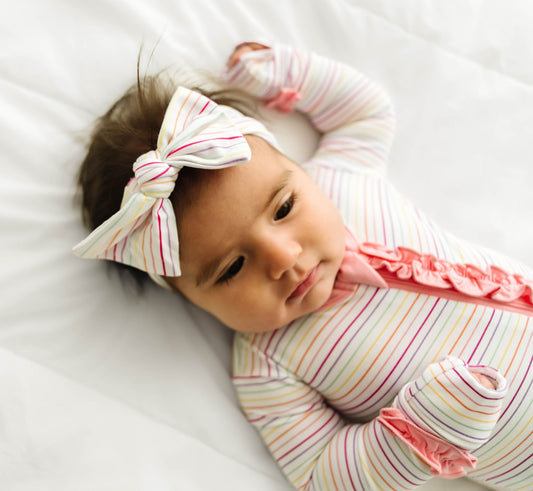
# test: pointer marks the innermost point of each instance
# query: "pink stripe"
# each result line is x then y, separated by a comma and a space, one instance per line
127, 237
161, 239
124, 243
203, 108
203, 141
325, 425
348, 466
385, 363
270, 340
152, 244
159, 175
481, 336
382, 207
169, 244
302, 426
385, 454
148, 163
321, 96
186, 119
339, 340
331, 332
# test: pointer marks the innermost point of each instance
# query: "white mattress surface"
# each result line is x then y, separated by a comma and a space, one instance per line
103, 389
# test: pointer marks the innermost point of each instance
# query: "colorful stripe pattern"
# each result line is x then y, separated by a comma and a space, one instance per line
195, 132
314, 388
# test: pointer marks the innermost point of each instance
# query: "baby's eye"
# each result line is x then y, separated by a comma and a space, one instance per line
285, 209
232, 270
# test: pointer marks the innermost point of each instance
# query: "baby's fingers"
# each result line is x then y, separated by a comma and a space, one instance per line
484, 380
241, 49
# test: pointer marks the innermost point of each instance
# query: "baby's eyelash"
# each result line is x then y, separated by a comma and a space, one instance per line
232, 270
286, 207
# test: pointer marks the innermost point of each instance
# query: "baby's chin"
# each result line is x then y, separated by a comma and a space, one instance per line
260, 326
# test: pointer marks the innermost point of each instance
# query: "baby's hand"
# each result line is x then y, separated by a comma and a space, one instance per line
449, 384
241, 49
484, 380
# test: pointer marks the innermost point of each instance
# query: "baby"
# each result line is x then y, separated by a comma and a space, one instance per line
372, 350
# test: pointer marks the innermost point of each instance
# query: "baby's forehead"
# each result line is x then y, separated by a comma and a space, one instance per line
214, 203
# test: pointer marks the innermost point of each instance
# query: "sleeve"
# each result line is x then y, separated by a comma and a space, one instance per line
353, 113
449, 402
317, 449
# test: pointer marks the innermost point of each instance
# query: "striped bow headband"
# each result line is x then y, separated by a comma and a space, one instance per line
196, 132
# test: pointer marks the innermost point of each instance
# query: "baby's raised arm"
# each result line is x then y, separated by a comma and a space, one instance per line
353, 113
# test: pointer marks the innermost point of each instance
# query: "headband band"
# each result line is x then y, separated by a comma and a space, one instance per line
196, 132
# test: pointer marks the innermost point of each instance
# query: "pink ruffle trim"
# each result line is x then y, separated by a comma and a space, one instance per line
285, 100
407, 264
444, 459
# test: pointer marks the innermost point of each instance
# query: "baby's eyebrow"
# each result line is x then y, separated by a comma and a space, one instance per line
284, 180
211, 267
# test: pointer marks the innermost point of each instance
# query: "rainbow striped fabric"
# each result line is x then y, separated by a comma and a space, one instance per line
314, 388
196, 132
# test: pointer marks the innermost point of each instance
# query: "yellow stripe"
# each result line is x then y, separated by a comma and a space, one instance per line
93, 253
501, 449
462, 414
509, 343
452, 331
157, 183
349, 378
296, 350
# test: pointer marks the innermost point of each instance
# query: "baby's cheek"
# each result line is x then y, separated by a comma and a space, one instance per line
249, 316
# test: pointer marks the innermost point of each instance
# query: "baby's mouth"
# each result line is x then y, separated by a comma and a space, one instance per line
306, 284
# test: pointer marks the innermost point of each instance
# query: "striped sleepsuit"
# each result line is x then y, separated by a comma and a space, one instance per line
314, 388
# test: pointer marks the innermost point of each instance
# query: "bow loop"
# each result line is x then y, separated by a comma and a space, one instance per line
207, 139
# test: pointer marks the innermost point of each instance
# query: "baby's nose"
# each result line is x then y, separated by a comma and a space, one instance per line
281, 255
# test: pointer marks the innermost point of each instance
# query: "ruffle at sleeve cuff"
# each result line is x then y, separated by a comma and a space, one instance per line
444, 459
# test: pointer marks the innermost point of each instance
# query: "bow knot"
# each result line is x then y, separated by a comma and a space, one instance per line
154, 178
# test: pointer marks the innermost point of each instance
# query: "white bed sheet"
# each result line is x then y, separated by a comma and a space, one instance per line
100, 389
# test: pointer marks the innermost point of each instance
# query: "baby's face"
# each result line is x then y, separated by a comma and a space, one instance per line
261, 244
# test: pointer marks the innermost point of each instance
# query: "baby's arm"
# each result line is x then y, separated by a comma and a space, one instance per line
354, 113
403, 448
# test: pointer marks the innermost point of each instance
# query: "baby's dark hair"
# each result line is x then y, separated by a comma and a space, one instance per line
127, 130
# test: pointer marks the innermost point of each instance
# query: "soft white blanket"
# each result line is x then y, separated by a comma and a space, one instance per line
100, 389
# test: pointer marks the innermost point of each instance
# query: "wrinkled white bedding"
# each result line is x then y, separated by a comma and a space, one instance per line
100, 389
